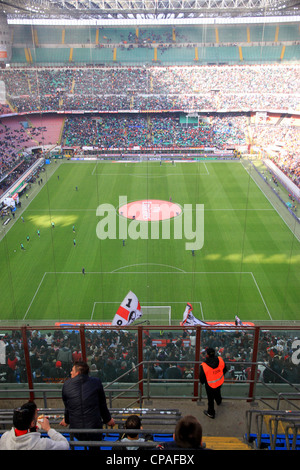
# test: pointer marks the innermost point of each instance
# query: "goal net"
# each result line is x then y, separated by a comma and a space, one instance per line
157, 315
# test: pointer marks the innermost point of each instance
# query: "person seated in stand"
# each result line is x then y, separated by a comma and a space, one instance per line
24, 435
133, 422
187, 435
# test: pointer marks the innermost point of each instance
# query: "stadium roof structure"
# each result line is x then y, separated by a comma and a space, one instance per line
146, 9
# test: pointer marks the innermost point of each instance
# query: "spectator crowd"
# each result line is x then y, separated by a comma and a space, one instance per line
174, 88
157, 131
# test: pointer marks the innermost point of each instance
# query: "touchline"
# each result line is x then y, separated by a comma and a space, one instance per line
151, 219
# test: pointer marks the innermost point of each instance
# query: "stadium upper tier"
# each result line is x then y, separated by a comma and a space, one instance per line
203, 44
278, 136
206, 88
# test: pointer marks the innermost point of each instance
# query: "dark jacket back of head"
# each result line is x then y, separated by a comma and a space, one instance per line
85, 402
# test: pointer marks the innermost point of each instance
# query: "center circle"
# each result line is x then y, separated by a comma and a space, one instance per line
150, 210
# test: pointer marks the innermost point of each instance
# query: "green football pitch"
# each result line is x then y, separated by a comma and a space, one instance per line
249, 263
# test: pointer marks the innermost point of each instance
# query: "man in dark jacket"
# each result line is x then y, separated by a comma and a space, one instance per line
85, 403
212, 372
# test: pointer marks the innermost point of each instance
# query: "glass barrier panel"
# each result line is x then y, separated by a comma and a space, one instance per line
112, 354
52, 354
12, 360
279, 356
235, 346
169, 357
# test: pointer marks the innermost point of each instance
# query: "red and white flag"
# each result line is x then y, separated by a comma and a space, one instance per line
188, 317
129, 311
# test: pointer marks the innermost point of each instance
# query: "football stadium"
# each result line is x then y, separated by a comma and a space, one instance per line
150, 189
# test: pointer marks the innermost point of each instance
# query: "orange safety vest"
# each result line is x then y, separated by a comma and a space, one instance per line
214, 377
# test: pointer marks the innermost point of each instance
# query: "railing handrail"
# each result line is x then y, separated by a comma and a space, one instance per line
135, 386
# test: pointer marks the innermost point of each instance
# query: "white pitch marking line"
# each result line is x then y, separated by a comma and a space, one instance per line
35, 295
261, 296
148, 264
201, 310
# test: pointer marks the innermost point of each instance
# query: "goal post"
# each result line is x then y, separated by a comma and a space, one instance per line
157, 314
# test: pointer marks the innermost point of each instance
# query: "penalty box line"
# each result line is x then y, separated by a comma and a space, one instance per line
147, 272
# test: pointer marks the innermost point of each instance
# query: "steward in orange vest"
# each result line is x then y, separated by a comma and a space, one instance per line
212, 372
214, 376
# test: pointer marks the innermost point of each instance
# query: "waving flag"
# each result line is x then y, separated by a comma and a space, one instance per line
129, 310
189, 319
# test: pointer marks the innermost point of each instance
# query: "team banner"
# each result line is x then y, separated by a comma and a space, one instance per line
129, 311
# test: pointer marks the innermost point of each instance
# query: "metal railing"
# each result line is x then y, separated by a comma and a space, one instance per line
143, 385
155, 388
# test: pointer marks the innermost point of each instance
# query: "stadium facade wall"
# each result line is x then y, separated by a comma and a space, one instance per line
230, 44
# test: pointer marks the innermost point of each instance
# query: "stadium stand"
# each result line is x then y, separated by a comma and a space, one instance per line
211, 88
158, 427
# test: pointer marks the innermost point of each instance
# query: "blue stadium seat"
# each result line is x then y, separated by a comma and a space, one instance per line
163, 437
109, 437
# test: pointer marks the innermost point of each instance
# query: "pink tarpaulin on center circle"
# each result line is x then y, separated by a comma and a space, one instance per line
150, 210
